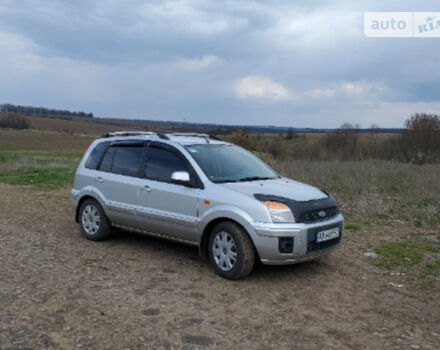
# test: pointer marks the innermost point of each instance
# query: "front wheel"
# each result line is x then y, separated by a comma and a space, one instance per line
93, 221
231, 251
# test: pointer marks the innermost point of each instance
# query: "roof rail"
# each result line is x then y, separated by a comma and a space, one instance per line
128, 133
193, 134
207, 137
160, 135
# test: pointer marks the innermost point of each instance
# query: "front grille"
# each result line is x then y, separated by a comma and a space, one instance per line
318, 214
312, 246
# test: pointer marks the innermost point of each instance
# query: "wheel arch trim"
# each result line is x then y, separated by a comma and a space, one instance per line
86, 193
217, 215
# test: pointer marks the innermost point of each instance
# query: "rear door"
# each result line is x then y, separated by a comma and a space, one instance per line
119, 179
166, 208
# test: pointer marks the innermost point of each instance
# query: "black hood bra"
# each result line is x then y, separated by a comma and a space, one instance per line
306, 211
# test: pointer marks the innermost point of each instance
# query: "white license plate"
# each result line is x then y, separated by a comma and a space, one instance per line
326, 235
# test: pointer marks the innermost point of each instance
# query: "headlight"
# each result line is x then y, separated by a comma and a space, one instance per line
279, 212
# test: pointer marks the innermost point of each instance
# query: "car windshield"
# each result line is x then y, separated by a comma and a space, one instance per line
229, 163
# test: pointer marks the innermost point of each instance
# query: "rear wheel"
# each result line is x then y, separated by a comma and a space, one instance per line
231, 251
93, 221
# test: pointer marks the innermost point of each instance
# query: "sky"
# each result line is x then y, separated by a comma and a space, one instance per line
303, 63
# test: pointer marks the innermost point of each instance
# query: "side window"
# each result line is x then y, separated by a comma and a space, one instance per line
162, 163
127, 160
106, 163
96, 155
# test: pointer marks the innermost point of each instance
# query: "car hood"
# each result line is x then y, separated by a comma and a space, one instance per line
282, 187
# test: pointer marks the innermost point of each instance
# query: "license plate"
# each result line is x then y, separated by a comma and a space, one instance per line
327, 235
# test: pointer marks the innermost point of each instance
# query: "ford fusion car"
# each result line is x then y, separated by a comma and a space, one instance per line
202, 191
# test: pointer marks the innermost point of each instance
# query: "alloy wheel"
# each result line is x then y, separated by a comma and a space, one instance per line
224, 251
90, 219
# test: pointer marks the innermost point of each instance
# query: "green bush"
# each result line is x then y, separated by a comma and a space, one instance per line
420, 141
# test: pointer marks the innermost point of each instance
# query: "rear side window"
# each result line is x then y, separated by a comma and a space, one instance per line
96, 155
127, 160
107, 161
162, 163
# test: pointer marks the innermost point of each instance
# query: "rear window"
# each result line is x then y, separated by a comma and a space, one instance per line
127, 160
96, 155
106, 164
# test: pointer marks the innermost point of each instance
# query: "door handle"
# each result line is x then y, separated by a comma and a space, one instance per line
100, 179
146, 188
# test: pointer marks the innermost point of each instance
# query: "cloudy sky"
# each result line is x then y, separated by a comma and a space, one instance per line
274, 62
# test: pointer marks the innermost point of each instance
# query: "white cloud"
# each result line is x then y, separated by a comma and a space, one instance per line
265, 88
14, 42
351, 90
261, 87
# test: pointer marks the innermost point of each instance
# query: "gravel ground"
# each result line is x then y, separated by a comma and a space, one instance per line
60, 291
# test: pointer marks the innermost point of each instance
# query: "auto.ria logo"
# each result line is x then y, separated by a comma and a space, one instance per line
402, 24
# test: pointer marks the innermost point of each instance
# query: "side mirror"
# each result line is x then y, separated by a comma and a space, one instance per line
180, 178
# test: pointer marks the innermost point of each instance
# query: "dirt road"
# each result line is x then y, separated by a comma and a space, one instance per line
60, 291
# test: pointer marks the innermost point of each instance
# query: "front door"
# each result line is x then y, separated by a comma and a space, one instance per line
166, 208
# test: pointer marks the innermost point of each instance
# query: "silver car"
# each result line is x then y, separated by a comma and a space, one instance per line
199, 190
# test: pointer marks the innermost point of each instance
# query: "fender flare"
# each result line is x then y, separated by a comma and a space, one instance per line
89, 192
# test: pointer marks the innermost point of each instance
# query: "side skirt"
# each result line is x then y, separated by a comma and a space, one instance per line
152, 234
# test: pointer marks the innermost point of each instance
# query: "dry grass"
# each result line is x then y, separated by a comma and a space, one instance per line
12, 161
374, 189
321, 146
42, 140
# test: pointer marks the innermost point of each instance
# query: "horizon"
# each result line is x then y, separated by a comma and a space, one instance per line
178, 122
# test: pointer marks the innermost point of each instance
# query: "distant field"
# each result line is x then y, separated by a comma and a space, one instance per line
43, 159
99, 126
42, 140
85, 126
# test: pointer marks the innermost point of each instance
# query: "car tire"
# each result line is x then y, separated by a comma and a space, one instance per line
231, 252
93, 222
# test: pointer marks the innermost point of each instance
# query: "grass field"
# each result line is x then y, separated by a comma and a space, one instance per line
42, 159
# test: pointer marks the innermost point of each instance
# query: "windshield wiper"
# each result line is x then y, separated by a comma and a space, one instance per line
243, 179
224, 181
255, 178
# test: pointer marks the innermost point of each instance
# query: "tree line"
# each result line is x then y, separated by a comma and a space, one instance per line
42, 111
418, 142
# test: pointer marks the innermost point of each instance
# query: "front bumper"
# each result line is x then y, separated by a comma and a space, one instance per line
266, 240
